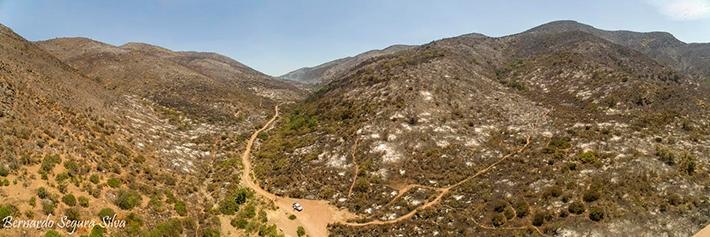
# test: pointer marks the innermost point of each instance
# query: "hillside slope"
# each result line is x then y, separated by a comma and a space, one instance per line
326, 72
545, 132
146, 133
661, 46
204, 85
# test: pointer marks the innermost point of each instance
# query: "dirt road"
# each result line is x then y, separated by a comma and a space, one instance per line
316, 214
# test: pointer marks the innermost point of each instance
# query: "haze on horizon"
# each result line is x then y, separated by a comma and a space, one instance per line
276, 37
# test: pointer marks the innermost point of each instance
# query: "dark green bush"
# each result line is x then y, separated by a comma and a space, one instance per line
128, 199
588, 157
239, 222
72, 214
106, 212
172, 227
300, 231
4, 171
83, 201
576, 208
48, 206
113, 182
97, 231
7, 210
94, 179
521, 208
688, 164
52, 233
498, 219
591, 195
675, 199
180, 208
73, 168
665, 155
209, 232
538, 219
42, 193
69, 199
596, 214
499, 206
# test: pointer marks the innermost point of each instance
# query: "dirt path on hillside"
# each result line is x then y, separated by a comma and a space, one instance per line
442, 192
705, 232
316, 214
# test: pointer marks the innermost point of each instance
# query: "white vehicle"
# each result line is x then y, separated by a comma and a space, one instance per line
297, 206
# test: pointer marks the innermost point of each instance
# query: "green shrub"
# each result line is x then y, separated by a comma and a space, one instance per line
300, 231
553, 191
538, 219
675, 199
240, 223
52, 233
69, 199
97, 231
48, 206
596, 214
576, 208
209, 232
688, 164
228, 207
588, 157
499, 206
49, 162
156, 204
591, 195
292, 217
113, 182
94, 179
7, 210
128, 199
180, 208
509, 212
270, 231
106, 212
61, 177
4, 171
521, 208
665, 155
241, 196
248, 212
231, 203
73, 168
42, 193
498, 220
172, 227
83, 201
262, 216
133, 224
72, 214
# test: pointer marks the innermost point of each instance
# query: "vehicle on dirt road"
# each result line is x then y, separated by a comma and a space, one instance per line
297, 206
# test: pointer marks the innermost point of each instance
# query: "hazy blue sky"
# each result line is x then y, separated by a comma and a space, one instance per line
278, 36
